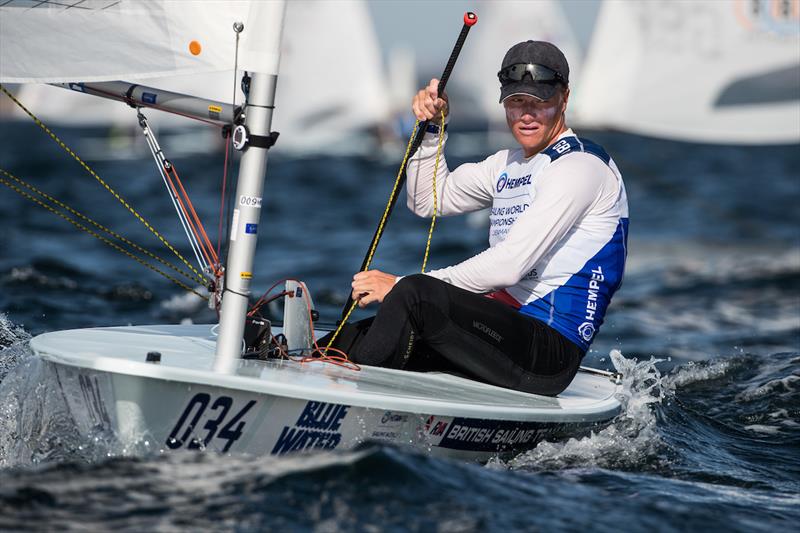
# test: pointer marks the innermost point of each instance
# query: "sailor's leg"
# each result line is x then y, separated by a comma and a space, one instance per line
350, 336
483, 338
497, 344
400, 321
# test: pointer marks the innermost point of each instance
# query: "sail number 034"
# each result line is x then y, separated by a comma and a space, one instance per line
218, 425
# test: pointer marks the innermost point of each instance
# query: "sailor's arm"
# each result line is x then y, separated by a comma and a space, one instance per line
467, 188
565, 192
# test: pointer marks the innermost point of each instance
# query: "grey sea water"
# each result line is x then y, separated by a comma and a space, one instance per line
706, 329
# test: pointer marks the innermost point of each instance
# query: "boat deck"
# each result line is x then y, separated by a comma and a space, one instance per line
187, 355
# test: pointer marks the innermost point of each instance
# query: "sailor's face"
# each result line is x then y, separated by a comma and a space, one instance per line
536, 123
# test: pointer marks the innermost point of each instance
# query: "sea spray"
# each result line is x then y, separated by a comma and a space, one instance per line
629, 441
35, 423
13, 341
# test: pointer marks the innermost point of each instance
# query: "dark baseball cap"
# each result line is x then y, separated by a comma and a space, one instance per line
543, 82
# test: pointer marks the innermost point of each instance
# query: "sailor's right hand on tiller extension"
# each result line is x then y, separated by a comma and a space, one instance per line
427, 105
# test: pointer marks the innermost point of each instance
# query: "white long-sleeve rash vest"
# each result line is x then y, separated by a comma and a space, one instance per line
557, 233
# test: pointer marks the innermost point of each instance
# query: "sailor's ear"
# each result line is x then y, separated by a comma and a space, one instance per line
566, 95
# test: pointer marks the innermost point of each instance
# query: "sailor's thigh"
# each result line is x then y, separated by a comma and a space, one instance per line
440, 309
498, 325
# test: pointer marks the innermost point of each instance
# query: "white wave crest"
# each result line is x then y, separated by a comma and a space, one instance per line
786, 386
186, 302
693, 372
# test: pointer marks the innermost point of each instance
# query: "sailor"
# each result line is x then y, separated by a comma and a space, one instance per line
522, 313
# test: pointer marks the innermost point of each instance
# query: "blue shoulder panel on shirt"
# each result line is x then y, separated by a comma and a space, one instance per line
574, 144
595, 149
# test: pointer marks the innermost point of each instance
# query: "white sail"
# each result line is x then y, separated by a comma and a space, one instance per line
332, 83
103, 40
713, 71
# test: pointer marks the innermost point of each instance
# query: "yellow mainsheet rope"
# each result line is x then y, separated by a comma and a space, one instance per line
435, 199
96, 235
102, 182
84, 218
386, 216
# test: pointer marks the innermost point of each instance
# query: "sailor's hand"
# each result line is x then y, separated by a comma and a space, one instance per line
427, 105
372, 286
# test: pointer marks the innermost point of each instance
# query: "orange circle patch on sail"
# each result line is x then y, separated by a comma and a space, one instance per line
195, 48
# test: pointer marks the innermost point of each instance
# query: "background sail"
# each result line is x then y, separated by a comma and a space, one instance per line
710, 71
476, 75
332, 82
103, 40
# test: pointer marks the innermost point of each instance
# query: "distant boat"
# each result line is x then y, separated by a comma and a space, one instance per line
705, 71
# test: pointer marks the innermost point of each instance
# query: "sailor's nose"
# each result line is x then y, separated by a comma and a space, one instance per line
529, 113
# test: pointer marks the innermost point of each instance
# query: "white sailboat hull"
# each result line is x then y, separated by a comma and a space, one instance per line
277, 407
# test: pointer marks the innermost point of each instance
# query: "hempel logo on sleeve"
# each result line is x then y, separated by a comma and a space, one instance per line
586, 330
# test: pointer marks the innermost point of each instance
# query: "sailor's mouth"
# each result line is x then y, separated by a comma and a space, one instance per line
531, 129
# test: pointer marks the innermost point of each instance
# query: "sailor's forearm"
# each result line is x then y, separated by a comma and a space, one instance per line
420, 172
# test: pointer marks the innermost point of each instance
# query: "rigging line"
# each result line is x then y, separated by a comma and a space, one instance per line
200, 230
101, 238
374, 245
435, 199
155, 150
198, 238
114, 234
101, 181
194, 225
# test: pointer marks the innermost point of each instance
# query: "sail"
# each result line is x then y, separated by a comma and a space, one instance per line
106, 40
707, 71
332, 84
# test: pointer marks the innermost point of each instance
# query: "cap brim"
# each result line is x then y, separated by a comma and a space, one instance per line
542, 91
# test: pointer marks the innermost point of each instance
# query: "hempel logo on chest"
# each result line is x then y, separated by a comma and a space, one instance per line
504, 183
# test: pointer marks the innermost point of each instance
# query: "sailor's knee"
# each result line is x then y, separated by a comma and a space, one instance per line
411, 289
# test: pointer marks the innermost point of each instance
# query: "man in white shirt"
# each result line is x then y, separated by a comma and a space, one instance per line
522, 313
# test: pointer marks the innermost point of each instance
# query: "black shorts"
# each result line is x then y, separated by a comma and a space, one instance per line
426, 324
